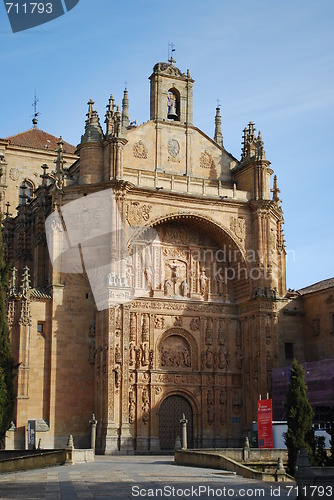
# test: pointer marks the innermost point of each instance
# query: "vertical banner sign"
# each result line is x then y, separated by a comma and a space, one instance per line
265, 423
31, 434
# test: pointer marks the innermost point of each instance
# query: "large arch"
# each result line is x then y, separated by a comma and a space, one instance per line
238, 267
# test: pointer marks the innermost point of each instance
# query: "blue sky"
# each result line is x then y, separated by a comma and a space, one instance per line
269, 61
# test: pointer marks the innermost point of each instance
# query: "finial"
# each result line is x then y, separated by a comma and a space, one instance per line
125, 109
34, 104
7, 214
44, 175
218, 126
260, 153
171, 49
276, 191
90, 108
125, 85
59, 175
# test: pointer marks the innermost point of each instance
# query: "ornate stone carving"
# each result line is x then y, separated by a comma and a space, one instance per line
140, 150
133, 327
195, 324
145, 406
238, 226
209, 331
221, 328
173, 147
137, 213
175, 352
222, 402
178, 321
14, 174
208, 358
145, 327
145, 354
203, 282
211, 406
159, 322
132, 405
206, 160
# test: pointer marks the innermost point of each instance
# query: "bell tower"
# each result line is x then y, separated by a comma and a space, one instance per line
171, 94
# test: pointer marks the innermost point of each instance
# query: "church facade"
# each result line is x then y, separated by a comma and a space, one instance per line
211, 317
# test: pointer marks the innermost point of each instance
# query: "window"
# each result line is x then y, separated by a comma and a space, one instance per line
26, 191
173, 104
289, 351
40, 327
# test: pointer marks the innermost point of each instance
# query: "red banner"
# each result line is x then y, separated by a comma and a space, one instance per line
265, 423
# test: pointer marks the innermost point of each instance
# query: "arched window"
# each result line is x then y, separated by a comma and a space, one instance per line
26, 191
173, 104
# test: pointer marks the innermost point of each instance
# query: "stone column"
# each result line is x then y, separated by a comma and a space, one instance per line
93, 424
183, 423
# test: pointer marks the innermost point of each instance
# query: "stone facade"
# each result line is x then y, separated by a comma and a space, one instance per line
205, 335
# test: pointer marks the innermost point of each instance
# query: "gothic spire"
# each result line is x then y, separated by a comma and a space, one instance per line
276, 192
93, 130
59, 174
125, 110
218, 127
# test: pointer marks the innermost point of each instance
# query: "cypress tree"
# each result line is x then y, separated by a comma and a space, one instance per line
7, 367
299, 416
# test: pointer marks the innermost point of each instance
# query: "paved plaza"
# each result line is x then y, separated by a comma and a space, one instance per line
134, 477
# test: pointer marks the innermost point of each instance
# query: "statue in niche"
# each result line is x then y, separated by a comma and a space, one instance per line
118, 355
145, 327
221, 358
168, 287
209, 331
184, 288
220, 285
118, 376
132, 349
145, 355
209, 357
211, 406
203, 282
146, 406
222, 402
132, 407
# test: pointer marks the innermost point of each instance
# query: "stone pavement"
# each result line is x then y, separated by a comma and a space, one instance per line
134, 477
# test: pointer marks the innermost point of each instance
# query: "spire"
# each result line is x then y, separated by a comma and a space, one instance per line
118, 122
35, 120
12, 282
110, 116
25, 286
125, 109
93, 130
218, 126
59, 174
276, 191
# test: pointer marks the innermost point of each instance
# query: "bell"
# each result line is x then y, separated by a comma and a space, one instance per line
171, 101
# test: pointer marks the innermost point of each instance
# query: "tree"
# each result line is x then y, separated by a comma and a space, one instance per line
7, 366
299, 416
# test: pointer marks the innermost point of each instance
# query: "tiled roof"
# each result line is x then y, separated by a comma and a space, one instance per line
36, 138
317, 287
39, 293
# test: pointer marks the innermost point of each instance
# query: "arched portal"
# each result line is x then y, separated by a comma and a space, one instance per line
170, 413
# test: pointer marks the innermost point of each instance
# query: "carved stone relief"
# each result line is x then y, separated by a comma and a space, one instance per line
140, 150
137, 213
238, 226
174, 351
